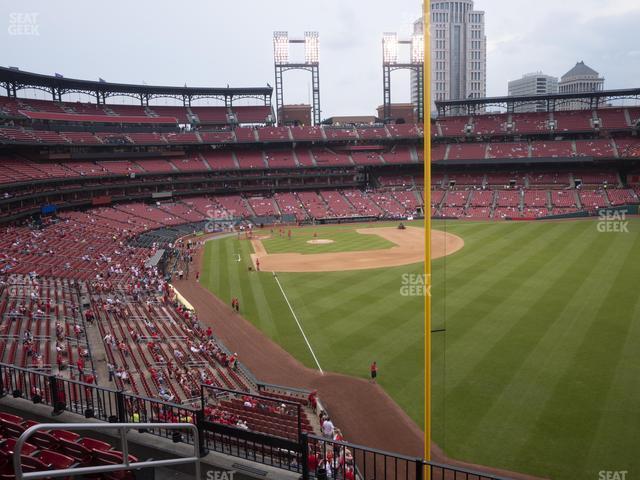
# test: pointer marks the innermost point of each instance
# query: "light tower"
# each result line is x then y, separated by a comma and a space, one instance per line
390, 46
281, 42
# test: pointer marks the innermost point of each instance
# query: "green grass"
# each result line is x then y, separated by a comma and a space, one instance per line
345, 239
538, 369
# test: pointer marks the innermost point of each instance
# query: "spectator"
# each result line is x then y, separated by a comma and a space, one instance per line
327, 428
313, 400
374, 372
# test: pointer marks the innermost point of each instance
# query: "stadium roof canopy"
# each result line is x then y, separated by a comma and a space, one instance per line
553, 101
14, 80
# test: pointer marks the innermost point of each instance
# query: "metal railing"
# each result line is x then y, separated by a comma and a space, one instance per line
126, 459
93, 401
341, 460
253, 446
290, 452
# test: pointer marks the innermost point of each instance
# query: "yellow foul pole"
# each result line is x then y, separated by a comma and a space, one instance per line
426, 83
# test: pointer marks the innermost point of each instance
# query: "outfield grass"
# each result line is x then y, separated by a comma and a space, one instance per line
538, 368
344, 237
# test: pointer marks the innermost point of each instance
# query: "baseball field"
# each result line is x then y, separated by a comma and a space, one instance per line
536, 331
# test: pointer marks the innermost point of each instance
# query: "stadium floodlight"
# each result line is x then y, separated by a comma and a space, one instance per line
281, 47
283, 62
390, 47
311, 47
417, 48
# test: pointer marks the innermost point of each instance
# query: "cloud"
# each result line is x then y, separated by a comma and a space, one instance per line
526, 39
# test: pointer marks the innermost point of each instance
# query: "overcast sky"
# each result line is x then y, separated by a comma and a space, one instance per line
217, 42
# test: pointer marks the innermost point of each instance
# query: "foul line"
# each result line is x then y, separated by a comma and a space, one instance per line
298, 322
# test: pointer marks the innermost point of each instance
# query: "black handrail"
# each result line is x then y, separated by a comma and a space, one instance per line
112, 405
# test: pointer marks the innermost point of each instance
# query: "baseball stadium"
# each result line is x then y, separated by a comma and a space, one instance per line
229, 291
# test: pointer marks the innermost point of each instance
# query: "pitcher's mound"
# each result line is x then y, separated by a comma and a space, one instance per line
319, 241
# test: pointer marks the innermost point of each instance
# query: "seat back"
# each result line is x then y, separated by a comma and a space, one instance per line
45, 440
65, 435
57, 460
95, 445
27, 448
32, 464
11, 429
11, 418
76, 451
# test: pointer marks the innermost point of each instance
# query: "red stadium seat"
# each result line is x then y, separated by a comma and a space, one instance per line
11, 418
11, 429
58, 461
82, 455
8, 446
45, 440
65, 435
94, 445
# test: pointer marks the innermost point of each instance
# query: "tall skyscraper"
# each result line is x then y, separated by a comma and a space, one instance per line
458, 51
533, 84
418, 29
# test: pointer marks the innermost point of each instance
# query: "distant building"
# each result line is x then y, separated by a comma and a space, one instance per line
295, 115
406, 112
533, 84
352, 120
458, 51
580, 79
418, 29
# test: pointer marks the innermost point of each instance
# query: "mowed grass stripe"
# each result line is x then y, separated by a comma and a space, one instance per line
580, 232
360, 295
532, 382
508, 333
585, 382
490, 297
474, 230
360, 313
491, 252
622, 422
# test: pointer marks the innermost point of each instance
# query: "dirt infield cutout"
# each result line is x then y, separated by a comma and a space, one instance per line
408, 249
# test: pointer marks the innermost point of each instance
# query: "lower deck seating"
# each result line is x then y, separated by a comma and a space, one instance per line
43, 325
55, 450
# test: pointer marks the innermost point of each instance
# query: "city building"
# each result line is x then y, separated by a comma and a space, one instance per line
295, 114
533, 84
403, 112
580, 79
458, 51
418, 29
